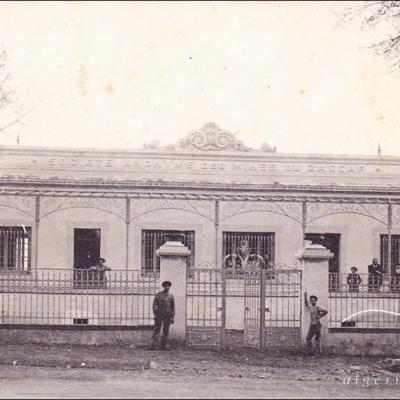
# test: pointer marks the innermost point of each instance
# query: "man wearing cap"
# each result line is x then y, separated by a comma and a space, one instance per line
316, 313
164, 314
354, 280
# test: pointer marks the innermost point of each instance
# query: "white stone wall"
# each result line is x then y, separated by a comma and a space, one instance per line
360, 235
359, 238
174, 216
56, 237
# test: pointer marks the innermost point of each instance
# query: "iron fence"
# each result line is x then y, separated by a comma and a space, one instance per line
70, 297
364, 284
273, 308
364, 301
205, 305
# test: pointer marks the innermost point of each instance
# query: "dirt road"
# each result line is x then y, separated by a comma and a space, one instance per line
123, 372
38, 382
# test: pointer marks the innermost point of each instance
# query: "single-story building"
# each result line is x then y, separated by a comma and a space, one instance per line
63, 208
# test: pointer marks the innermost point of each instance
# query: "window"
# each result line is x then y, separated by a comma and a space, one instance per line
81, 321
152, 240
260, 243
395, 251
15, 248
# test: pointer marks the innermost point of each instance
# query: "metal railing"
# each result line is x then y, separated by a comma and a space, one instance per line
364, 301
205, 312
80, 280
70, 297
364, 284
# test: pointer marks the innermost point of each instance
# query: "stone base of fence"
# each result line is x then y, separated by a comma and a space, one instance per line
75, 335
366, 342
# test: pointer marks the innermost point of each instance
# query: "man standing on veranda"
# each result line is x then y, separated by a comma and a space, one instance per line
375, 276
97, 276
164, 314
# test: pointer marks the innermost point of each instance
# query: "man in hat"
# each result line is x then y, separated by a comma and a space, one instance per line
375, 276
316, 313
354, 280
395, 281
164, 314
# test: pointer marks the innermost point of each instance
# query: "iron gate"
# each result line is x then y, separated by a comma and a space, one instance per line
272, 316
205, 318
271, 300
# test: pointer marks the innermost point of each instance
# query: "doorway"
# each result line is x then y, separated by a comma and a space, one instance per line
86, 247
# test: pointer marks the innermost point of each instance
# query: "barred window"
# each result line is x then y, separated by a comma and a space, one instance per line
260, 243
152, 240
15, 248
395, 258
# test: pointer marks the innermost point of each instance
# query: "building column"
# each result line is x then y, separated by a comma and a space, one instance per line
216, 229
389, 249
36, 248
314, 260
304, 220
127, 227
173, 268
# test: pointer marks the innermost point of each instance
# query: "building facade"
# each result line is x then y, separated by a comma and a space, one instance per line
64, 208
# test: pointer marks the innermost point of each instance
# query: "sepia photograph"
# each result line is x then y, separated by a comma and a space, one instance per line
199, 199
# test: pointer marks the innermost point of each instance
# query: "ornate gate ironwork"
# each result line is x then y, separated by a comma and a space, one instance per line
205, 318
252, 307
272, 308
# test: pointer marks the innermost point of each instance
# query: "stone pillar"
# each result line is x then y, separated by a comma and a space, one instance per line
173, 257
314, 260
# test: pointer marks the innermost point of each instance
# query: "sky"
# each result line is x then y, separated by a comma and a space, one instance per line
118, 75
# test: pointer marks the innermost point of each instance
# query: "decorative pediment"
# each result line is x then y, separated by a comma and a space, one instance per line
211, 138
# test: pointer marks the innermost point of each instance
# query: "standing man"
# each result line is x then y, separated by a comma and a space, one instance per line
354, 280
99, 279
395, 281
164, 314
316, 313
375, 276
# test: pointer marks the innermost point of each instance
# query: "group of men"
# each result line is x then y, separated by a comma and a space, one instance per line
375, 278
164, 314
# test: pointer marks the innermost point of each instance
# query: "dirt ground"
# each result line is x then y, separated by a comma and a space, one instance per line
38, 371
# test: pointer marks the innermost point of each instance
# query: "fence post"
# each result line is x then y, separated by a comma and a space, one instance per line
262, 306
173, 267
314, 260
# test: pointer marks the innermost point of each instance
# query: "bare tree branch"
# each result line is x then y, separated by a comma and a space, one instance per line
384, 15
6, 94
15, 121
